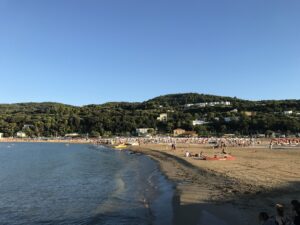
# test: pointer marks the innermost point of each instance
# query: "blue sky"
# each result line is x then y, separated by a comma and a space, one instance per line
93, 51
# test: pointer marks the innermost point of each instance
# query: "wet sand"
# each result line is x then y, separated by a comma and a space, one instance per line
228, 192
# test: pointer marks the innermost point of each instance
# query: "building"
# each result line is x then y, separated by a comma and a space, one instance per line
188, 105
21, 134
201, 105
72, 135
289, 112
27, 126
247, 113
144, 131
1, 135
198, 122
163, 117
178, 132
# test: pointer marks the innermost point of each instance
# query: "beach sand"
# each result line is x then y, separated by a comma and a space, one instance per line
228, 192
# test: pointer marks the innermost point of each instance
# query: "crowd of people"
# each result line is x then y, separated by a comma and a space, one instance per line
285, 142
282, 217
215, 142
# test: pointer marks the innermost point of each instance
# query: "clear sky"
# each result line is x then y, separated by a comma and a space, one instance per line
93, 51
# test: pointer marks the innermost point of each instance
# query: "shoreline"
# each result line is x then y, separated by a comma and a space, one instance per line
28, 140
194, 203
207, 196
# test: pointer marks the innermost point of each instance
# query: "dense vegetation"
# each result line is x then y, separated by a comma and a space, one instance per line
122, 118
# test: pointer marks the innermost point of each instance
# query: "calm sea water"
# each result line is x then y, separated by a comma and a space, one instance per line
43, 183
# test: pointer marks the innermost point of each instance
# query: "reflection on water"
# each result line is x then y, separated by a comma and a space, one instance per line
80, 184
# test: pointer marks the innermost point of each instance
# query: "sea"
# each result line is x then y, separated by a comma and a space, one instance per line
63, 184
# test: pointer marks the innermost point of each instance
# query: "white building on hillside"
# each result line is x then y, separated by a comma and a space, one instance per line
72, 135
21, 134
289, 112
188, 105
144, 131
1, 135
163, 117
198, 122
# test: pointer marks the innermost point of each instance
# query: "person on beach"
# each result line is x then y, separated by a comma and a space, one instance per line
201, 156
187, 154
264, 219
223, 151
173, 146
281, 218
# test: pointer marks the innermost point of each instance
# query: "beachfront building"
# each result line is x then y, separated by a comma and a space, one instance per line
144, 131
199, 122
163, 117
21, 134
178, 132
72, 135
1, 135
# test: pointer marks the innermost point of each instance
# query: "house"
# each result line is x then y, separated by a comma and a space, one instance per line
72, 135
1, 135
211, 104
163, 117
21, 134
27, 126
289, 112
201, 105
178, 132
226, 103
198, 122
234, 111
247, 113
144, 131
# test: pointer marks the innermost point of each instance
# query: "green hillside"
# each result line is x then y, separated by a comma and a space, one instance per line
220, 114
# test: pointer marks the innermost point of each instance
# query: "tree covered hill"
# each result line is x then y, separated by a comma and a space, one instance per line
122, 118
187, 98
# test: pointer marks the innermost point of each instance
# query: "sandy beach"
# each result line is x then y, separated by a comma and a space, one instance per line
228, 192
